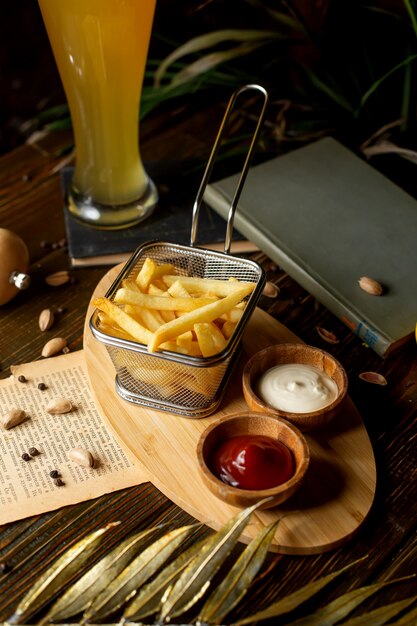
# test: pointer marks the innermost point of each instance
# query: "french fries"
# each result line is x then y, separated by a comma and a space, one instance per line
167, 311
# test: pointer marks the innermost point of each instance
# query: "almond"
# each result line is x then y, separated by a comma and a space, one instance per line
270, 290
13, 418
81, 456
57, 278
58, 406
46, 319
53, 346
370, 285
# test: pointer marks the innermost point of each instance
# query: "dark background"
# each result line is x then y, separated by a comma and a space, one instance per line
349, 45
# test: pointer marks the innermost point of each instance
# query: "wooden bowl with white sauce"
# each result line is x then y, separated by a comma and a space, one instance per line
302, 384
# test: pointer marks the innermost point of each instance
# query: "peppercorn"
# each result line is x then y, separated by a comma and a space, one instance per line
33, 451
42, 386
22, 379
4, 568
26, 457
59, 482
54, 473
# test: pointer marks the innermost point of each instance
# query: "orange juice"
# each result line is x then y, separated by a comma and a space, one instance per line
100, 47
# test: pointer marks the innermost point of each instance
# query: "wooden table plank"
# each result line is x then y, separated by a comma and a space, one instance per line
30, 204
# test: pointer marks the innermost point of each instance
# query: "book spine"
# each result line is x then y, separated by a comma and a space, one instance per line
370, 336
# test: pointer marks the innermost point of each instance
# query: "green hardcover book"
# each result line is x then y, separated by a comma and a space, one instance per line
328, 218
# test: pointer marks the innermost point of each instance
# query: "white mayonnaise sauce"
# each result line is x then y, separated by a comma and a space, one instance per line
296, 388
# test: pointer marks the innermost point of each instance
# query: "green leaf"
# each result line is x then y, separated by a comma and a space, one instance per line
148, 600
122, 588
381, 615
282, 18
77, 598
57, 576
235, 584
295, 599
373, 88
62, 124
196, 578
209, 40
412, 14
330, 92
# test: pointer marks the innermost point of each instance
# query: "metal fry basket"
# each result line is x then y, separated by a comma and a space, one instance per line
169, 381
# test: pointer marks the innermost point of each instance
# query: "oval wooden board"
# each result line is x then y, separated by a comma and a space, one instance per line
340, 484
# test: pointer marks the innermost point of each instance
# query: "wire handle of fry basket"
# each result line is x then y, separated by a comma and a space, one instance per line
243, 174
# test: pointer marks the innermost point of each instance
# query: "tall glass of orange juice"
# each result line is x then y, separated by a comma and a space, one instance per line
100, 47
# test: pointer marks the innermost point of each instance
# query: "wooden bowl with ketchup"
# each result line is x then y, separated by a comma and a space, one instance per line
300, 383
248, 457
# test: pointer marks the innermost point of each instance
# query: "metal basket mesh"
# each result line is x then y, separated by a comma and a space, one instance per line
167, 380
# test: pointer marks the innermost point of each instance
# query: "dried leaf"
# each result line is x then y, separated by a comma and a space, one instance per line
57, 576
381, 615
78, 597
295, 599
203, 42
148, 600
196, 578
342, 606
122, 588
409, 619
210, 61
235, 584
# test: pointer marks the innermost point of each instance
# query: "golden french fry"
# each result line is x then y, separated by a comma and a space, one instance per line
233, 315
110, 329
150, 271
210, 338
228, 329
154, 290
208, 285
151, 319
192, 349
206, 313
185, 339
147, 301
177, 290
127, 323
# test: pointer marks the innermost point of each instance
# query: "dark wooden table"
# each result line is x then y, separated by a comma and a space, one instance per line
30, 205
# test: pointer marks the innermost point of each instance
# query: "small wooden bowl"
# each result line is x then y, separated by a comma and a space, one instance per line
294, 353
252, 424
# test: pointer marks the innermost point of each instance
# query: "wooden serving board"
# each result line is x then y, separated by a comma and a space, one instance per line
340, 483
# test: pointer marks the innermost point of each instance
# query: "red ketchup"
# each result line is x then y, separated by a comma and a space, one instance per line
252, 462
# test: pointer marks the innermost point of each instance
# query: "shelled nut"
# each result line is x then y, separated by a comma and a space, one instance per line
13, 418
53, 346
58, 406
81, 456
46, 319
57, 278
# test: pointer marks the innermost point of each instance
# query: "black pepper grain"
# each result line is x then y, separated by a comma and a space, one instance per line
22, 379
42, 386
33, 451
26, 457
59, 482
54, 473
4, 568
